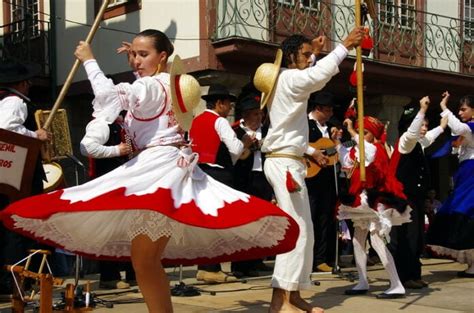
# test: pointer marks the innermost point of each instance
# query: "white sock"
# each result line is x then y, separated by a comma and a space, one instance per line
388, 263
360, 238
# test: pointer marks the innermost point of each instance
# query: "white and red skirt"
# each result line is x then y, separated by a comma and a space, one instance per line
158, 193
379, 219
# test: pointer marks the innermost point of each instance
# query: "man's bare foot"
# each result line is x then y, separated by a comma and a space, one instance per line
281, 302
285, 308
296, 300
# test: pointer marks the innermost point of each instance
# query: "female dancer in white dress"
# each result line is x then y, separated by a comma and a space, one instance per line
452, 230
157, 207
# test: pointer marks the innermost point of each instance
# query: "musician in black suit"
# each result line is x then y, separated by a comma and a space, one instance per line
322, 187
18, 116
248, 170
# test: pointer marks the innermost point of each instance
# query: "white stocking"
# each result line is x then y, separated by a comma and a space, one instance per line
388, 262
360, 238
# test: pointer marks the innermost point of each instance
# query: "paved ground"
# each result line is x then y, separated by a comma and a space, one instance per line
446, 294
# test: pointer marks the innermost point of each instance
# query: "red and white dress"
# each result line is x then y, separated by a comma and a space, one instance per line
379, 203
158, 193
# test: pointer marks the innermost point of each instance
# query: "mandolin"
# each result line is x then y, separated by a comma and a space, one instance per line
329, 149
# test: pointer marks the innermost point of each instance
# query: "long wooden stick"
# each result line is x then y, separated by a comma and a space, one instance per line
75, 67
360, 96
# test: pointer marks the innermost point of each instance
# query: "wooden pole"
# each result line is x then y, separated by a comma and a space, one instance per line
75, 67
46, 293
360, 96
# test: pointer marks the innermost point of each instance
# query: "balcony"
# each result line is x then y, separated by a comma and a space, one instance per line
27, 42
402, 35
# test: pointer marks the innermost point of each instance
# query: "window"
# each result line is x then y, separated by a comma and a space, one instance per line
387, 11
469, 19
303, 4
407, 14
398, 12
118, 7
25, 14
113, 3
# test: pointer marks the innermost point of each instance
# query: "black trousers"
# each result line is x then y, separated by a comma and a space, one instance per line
110, 270
322, 202
406, 243
224, 176
257, 186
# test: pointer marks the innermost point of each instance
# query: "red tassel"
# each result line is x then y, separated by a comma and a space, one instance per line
351, 112
291, 184
353, 79
366, 45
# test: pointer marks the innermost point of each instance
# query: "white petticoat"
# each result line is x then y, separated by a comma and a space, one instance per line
380, 220
84, 224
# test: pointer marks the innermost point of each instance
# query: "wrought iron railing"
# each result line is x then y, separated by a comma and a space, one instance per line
24, 43
401, 34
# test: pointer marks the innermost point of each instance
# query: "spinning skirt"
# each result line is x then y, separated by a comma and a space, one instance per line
158, 193
452, 231
381, 219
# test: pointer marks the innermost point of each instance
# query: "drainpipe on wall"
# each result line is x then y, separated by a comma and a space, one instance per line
52, 49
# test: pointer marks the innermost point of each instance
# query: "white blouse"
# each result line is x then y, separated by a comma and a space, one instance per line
458, 128
150, 120
14, 114
97, 134
412, 136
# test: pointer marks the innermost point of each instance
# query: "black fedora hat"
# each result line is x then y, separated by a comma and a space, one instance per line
218, 91
249, 102
12, 71
409, 113
321, 98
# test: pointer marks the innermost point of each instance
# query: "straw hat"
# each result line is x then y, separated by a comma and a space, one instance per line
266, 76
185, 93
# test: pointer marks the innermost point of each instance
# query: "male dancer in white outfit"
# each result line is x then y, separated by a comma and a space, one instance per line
285, 145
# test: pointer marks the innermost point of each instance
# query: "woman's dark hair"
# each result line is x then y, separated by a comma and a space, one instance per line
290, 47
467, 100
161, 41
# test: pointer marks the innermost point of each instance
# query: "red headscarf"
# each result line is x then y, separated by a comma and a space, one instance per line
374, 126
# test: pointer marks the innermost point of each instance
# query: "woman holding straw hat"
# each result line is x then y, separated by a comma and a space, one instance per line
157, 207
287, 92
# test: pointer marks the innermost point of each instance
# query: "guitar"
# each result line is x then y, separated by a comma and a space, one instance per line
247, 151
329, 149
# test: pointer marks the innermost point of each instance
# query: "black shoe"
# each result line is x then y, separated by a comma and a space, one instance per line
390, 296
355, 292
422, 282
249, 273
5, 298
412, 284
6, 290
263, 267
464, 274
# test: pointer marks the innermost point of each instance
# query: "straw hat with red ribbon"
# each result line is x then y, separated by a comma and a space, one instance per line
265, 78
185, 94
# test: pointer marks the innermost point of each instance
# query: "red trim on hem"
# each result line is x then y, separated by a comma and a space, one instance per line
161, 201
